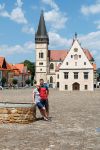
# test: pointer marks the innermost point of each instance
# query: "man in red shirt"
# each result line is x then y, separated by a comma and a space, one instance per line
44, 92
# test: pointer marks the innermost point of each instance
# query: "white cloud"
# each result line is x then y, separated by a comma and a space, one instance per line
90, 41
19, 3
26, 48
98, 24
27, 29
51, 3
17, 14
92, 9
56, 41
55, 17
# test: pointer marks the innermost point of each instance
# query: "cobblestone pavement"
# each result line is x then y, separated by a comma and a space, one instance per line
74, 125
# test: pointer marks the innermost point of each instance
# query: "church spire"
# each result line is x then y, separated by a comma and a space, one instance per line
41, 35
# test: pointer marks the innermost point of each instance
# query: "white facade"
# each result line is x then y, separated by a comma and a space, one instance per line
76, 72
75, 66
67, 70
41, 61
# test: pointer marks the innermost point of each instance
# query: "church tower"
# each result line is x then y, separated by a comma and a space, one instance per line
41, 47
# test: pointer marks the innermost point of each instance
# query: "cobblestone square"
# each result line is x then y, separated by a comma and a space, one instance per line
74, 125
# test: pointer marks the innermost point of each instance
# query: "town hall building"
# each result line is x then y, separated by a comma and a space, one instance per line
72, 69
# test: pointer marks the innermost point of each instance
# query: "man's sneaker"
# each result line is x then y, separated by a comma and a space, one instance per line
46, 119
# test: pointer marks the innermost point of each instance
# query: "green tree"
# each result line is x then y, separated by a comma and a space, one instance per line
14, 81
28, 81
3, 81
31, 67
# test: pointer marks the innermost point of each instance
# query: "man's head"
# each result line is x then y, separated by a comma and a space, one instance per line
41, 81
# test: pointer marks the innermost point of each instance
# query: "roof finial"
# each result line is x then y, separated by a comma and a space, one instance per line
75, 36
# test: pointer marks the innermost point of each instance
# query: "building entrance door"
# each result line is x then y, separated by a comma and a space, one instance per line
76, 86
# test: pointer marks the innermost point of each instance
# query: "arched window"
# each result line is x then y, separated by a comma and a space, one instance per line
51, 66
51, 79
41, 55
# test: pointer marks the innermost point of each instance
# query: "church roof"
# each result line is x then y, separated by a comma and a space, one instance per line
88, 54
57, 55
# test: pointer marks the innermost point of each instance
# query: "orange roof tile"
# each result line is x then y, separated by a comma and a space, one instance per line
88, 54
94, 67
57, 54
1, 61
20, 67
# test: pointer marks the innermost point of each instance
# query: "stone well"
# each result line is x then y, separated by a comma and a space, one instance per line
17, 112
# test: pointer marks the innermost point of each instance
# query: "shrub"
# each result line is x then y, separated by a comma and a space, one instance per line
3, 81
28, 81
14, 81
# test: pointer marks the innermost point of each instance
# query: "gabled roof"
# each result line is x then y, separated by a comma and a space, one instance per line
1, 61
57, 55
20, 67
88, 54
3, 64
94, 67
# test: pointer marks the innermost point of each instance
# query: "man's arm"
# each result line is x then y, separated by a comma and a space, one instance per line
33, 96
47, 90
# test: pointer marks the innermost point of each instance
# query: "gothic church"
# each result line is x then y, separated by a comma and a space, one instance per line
68, 70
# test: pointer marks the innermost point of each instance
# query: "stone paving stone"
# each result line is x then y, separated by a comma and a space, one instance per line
74, 125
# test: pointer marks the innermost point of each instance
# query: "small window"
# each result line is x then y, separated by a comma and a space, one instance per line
85, 87
75, 75
51, 66
86, 75
41, 55
75, 49
41, 63
76, 57
66, 87
84, 63
67, 63
51, 79
71, 56
75, 63
41, 69
57, 76
79, 56
66, 75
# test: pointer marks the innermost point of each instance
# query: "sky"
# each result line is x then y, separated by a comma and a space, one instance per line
19, 21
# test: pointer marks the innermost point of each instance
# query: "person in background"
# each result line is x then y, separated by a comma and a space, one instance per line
44, 92
37, 101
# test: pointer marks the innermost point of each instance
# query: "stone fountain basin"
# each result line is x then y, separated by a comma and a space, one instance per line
17, 112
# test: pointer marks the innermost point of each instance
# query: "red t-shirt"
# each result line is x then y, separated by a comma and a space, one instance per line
43, 92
